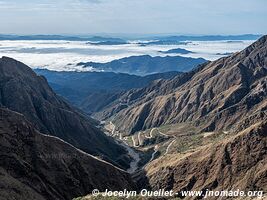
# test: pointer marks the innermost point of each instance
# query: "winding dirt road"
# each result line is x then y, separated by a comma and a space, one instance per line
131, 152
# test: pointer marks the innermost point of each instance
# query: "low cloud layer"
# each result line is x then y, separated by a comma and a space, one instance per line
64, 55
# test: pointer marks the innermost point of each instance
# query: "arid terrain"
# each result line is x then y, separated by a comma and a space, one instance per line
200, 130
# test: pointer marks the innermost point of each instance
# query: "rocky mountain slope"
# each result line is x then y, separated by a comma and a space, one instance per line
23, 91
236, 163
156, 88
36, 166
215, 96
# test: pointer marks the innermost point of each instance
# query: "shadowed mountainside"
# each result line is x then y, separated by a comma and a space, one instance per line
36, 166
21, 90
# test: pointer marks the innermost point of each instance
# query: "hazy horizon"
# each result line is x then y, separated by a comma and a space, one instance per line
128, 35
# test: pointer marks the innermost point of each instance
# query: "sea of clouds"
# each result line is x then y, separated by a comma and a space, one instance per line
64, 55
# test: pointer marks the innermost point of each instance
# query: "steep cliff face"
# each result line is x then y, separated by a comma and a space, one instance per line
215, 96
36, 166
236, 163
21, 90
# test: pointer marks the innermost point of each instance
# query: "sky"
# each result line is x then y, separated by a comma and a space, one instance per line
194, 17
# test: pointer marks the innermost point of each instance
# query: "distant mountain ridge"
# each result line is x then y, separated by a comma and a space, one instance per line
145, 64
117, 39
184, 39
208, 37
59, 37
177, 50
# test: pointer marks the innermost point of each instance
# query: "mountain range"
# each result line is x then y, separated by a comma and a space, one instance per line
226, 98
59, 37
185, 39
209, 37
211, 122
117, 39
216, 118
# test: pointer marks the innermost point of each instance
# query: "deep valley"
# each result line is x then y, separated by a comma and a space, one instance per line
64, 134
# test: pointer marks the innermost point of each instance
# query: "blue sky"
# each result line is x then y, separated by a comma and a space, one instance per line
133, 16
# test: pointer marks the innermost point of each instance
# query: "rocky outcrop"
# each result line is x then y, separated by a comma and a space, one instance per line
36, 166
